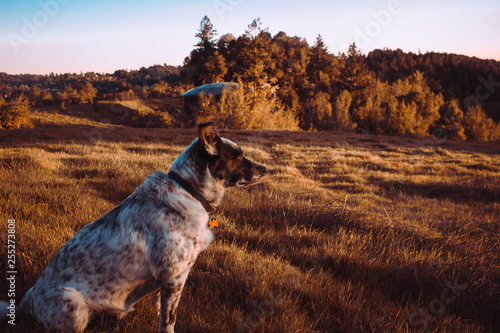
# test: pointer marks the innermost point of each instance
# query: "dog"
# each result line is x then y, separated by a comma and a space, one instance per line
146, 244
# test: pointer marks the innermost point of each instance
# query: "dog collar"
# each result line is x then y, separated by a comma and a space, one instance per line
191, 190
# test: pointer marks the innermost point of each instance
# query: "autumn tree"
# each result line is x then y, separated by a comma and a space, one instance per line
224, 44
478, 126
341, 112
450, 123
14, 113
320, 112
85, 92
290, 56
405, 106
250, 55
415, 96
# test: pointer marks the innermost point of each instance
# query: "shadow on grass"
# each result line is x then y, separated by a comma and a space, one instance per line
455, 193
90, 135
420, 284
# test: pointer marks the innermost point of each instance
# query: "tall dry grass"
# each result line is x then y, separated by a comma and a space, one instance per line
348, 233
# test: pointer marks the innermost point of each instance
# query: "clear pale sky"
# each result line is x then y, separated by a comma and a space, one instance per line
60, 36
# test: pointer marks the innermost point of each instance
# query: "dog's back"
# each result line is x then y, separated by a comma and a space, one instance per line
148, 242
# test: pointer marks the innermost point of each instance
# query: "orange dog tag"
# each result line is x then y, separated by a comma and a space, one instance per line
212, 224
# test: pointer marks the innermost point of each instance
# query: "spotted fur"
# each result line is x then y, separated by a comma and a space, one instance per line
148, 243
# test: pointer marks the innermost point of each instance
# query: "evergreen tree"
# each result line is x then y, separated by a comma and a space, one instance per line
354, 73
255, 29
207, 36
321, 61
205, 64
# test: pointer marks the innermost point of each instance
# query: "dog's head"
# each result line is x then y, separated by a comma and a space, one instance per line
226, 160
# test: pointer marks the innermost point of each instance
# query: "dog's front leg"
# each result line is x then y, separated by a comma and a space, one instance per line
171, 291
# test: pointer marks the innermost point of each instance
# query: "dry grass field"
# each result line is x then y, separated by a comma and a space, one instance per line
347, 233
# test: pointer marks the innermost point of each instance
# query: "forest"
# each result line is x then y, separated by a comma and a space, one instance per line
286, 83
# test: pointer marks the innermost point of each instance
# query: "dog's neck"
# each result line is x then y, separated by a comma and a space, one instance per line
192, 167
191, 190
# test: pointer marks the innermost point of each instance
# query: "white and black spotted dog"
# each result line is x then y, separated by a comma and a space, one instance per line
148, 243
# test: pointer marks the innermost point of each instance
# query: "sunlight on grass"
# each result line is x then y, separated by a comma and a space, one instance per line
347, 233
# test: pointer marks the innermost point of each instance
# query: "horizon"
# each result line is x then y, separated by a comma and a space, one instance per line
65, 36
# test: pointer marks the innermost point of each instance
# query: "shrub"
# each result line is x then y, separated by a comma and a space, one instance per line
479, 127
15, 113
152, 119
159, 90
241, 108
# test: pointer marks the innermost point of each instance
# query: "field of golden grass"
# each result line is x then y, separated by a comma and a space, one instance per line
347, 233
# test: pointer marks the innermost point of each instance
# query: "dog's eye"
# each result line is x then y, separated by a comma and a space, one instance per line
237, 154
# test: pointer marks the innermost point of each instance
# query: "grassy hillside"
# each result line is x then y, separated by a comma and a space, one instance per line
348, 233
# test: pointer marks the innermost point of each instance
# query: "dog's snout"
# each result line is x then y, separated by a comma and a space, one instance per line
262, 169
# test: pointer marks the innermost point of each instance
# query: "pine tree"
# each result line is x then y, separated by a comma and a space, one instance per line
321, 61
255, 28
205, 64
207, 36
354, 74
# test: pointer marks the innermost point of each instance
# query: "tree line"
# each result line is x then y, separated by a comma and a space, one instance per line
306, 86
385, 92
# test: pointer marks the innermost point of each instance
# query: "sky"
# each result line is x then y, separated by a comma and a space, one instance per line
71, 36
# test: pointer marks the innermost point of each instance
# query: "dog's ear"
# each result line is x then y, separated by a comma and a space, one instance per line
209, 137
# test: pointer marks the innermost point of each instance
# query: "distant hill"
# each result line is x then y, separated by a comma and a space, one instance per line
104, 82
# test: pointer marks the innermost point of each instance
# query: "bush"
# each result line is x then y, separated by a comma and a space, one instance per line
14, 113
152, 119
479, 127
241, 108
